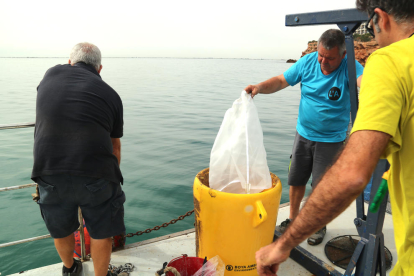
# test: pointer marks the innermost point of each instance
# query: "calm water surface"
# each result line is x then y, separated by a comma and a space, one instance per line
173, 109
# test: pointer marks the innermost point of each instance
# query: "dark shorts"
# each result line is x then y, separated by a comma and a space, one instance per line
100, 200
311, 158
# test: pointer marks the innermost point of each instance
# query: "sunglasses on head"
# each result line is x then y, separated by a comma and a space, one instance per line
368, 23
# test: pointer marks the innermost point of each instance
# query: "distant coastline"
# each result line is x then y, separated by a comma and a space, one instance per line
363, 49
279, 59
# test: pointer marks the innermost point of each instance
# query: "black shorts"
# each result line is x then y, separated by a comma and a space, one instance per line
309, 157
101, 202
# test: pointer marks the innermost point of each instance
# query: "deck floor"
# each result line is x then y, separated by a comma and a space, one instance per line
148, 256
344, 225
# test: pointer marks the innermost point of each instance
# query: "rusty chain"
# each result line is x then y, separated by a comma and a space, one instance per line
158, 227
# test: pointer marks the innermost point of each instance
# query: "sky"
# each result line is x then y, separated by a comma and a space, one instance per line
175, 28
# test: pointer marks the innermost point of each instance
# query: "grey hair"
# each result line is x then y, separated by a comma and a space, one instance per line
375, 21
87, 53
333, 38
401, 10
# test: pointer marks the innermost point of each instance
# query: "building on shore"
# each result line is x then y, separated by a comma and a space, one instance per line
361, 29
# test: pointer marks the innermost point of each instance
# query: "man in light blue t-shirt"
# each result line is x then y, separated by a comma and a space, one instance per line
323, 115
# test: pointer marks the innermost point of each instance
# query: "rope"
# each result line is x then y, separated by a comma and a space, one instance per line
17, 187
168, 269
247, 150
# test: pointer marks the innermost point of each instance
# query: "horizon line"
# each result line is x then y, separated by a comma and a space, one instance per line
170, 58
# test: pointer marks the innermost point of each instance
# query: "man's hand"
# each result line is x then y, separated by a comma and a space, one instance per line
116, 148
270, 86
359, 81
269, 258
253, 89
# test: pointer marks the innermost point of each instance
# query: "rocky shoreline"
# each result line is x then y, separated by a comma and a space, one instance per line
362, 50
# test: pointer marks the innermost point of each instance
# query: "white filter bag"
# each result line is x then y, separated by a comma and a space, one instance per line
238, 159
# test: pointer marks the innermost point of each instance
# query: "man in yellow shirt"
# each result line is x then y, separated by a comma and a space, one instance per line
384, 128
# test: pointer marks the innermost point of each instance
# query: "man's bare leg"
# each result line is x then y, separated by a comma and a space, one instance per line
65, 247
296, 194
101, 250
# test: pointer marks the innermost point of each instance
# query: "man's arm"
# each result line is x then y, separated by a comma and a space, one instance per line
342, 183
116, 145
269, 86
359, 79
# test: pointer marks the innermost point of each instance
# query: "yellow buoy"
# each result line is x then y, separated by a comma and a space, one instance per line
234, 226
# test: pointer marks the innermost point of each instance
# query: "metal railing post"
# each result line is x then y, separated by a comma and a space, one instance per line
82, 236
24, 241
22, 125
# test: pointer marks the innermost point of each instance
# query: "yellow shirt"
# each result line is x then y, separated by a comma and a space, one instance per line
387, 105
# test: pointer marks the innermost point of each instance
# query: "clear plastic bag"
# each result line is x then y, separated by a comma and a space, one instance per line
238, 161
213, 267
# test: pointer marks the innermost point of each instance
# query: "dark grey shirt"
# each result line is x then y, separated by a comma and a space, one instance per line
77, 113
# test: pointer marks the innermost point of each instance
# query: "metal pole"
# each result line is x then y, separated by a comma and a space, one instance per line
371, 229
348, 30
352, 76
23, 125
82, 236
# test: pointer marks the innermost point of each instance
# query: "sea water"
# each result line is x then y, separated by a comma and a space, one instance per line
173, 109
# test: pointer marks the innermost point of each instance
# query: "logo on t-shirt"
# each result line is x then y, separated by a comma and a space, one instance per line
334, 93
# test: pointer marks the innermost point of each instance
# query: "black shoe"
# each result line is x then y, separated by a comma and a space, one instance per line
283, 226
76, 271
317, 238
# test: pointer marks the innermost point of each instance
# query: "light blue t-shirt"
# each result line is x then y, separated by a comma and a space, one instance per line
324, 104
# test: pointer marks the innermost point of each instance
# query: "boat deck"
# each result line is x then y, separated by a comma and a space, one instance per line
148, 256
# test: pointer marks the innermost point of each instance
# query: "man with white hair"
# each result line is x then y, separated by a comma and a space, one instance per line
77, 152
384, 128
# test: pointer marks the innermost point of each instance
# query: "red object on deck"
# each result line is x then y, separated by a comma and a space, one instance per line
187, 266
77, 252
117, 241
